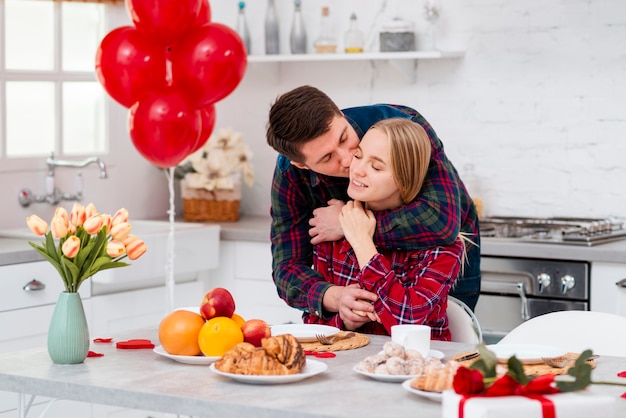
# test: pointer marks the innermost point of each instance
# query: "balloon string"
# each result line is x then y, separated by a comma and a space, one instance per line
168, 67
169, 265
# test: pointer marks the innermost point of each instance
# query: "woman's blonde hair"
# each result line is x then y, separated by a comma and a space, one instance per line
409, 154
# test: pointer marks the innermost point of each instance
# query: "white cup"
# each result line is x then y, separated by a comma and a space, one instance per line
412, 337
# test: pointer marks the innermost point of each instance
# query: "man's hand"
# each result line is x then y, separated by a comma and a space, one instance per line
325, 223
353, 304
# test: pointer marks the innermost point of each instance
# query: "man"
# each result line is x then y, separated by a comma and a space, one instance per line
316, 142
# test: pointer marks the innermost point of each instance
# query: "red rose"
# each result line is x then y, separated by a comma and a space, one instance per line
468, 381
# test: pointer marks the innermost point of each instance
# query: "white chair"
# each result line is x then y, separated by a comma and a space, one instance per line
574, 331
462, 323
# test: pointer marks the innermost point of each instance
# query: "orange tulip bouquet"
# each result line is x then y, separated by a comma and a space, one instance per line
88, 242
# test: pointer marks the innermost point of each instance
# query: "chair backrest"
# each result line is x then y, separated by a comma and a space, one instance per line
462, 322
574, 331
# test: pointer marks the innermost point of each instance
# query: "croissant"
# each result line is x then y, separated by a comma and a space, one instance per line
278, 355
436, 380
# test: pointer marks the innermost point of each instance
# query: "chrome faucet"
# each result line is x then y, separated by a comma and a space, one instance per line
53, 194
52, 163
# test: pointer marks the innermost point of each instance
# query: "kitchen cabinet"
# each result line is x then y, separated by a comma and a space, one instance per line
245, 269
608, 287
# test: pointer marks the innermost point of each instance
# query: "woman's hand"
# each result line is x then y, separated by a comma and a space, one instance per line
358, 225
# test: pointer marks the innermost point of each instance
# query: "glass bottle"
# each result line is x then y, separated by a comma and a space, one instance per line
272, 34
242, 26
298, 32
326, 42
354, 39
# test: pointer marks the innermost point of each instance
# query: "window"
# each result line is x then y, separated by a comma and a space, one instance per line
50, 98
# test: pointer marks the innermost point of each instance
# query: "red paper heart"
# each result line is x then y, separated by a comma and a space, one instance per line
94, 354
135, 344
102, 340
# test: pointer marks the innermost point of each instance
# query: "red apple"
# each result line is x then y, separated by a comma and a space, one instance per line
217, 302
254, 330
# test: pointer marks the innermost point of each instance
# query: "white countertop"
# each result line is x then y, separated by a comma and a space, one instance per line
142, 379
257, 229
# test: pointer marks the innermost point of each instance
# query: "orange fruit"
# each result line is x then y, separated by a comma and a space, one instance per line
218, 335
178, 333
238, 319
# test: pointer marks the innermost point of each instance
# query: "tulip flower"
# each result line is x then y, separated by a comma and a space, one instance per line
120, 231
36, 224
136, 249
71, 246
107, 221
115, 248
90, 210
62, 213
84, 246
93, 224
120, 216
58, 227
78, 215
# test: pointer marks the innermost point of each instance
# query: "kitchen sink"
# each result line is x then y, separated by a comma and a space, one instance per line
196, 250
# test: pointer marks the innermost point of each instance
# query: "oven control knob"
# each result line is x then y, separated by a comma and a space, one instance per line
567, 282
543, 280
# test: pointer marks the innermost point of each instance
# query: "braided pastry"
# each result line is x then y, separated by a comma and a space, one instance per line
278, 355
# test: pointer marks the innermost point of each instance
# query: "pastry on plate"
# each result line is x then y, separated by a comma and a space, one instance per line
279, 355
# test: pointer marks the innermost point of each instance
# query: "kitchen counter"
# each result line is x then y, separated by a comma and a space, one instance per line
142, 379
257, 229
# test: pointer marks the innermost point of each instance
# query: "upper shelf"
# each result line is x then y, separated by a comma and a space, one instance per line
364, 56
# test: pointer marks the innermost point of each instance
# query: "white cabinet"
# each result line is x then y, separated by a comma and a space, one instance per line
24, 319
246, 271
608, 291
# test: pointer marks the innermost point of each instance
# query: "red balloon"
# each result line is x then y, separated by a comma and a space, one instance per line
208, 63
128, 65
163, 21
207, 116
204, 14
163, 127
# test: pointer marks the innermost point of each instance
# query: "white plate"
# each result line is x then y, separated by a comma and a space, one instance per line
305, 333
436, 354
312, 368
433, 396
396, 378
185, 359
526, 353
393, 378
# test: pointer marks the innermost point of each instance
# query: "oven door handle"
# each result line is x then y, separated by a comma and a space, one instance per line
507, 288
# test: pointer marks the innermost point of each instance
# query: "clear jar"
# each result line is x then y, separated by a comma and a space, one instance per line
397, 36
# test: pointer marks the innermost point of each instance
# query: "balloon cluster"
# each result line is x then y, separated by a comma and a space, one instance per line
169, 70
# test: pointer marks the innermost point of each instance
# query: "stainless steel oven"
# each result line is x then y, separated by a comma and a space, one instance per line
516, 289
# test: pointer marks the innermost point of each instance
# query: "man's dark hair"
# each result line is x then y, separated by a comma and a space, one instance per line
296, 118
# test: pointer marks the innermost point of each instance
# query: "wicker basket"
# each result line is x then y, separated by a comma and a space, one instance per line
201, 205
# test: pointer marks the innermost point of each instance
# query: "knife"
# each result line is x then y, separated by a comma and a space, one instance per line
468, 356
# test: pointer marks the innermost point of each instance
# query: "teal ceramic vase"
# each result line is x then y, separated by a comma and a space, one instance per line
68, 335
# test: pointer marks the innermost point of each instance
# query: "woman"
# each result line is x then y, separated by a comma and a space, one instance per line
387, 171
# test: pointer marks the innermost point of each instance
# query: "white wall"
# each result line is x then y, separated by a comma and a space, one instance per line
537, 104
